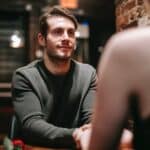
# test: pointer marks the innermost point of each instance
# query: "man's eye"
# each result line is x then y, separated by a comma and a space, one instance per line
57, 32
71, 33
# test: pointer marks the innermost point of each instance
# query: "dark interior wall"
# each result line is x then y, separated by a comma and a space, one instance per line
99, 34
101, 15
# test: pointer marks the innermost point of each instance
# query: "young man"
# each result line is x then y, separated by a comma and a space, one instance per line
123, 89
53, 96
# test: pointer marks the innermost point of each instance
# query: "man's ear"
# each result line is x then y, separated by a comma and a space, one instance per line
41, 40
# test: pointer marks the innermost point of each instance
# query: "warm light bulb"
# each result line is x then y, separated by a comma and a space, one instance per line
16, 40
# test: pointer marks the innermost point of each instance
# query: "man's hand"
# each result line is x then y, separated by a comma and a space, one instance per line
126, 140
82, 136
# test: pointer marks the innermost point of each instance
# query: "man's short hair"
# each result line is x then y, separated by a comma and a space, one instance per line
55, 11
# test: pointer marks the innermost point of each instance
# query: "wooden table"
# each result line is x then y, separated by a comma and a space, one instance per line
28, 147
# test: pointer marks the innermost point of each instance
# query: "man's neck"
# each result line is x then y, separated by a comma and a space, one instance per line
56, 66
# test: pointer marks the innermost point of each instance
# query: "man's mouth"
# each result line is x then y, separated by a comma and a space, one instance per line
65, 47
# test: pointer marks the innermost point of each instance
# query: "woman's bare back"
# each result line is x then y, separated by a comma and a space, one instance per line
124, 71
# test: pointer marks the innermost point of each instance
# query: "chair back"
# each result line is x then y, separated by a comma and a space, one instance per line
15, 130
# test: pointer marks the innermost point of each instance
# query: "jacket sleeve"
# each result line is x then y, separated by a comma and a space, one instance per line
28, 108
88, 99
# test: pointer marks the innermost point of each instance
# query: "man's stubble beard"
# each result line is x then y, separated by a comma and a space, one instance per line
57, 58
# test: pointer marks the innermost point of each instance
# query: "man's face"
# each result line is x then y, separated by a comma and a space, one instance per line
60, 40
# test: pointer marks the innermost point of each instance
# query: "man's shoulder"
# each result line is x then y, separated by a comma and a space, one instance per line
29, 73
31, 66
84, 66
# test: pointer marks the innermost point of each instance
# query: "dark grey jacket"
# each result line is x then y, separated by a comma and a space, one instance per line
50, 107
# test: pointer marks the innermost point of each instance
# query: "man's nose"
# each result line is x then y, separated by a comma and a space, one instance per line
65, 35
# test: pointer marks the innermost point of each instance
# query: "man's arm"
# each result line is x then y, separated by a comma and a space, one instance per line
86, 111
87, 106
28, 108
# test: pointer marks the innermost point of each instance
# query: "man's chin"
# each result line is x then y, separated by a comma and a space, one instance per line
61, 58
65, 57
